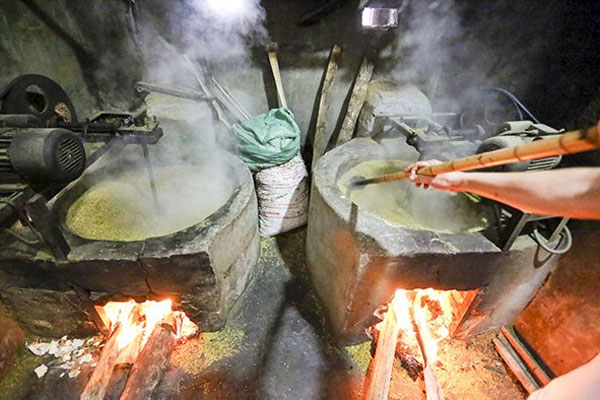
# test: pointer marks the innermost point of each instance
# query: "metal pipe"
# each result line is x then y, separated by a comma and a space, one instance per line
172, 91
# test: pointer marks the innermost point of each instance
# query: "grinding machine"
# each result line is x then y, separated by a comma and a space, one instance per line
42, 150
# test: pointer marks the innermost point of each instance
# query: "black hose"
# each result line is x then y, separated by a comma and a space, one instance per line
512, 98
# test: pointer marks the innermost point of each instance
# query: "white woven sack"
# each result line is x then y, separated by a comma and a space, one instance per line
282, 193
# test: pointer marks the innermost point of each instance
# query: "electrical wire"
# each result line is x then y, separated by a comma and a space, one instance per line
514, 100
565, 232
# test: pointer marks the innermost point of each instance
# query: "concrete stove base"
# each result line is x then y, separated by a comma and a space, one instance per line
357, 259
204, 268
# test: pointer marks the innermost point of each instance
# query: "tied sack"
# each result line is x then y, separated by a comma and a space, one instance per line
269, 145
282, 194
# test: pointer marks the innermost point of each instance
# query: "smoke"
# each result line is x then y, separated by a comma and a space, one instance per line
183, 39
180, 40
215, 32
451, 49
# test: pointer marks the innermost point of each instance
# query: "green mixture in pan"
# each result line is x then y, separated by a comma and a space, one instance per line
401, 203
123, 209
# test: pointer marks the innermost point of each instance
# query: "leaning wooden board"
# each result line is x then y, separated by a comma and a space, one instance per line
357, 99
321, 136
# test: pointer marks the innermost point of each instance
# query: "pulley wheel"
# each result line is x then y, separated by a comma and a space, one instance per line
40, 96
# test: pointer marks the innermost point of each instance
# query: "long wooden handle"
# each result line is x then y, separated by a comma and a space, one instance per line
567, 143
277, 77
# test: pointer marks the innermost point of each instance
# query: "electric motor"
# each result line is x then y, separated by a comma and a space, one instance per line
40, 155
516, 133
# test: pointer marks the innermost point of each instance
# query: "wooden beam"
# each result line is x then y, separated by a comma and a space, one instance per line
357, 99
321, 137
380, 369
122, 369
151, 363
277, 76
527, 358
516, 366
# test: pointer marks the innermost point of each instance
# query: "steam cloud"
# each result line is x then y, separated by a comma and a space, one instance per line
451, 49
217, 34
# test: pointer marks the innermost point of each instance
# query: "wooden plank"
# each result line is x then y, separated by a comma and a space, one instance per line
277, 76
321, 137
463, 309
527, 358
516, 366
357, 99
433, 389
380, 369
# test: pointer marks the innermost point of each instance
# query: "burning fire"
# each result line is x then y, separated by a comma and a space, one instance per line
426, 313
136, 321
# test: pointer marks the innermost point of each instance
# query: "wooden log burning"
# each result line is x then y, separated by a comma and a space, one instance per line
97, 386
130, 367
409, 353
432, 385
380, 369
151, 363
123, 365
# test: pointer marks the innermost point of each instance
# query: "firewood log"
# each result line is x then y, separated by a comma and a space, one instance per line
151, 363
380, 369
97, 386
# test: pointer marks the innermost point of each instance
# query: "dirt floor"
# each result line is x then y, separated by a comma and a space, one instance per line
276, 346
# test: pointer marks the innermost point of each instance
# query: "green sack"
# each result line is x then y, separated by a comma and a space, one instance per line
268, 140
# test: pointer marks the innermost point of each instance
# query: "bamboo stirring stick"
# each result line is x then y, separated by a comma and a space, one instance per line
567, 143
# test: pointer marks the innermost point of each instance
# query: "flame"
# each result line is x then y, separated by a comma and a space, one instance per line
138, 320
430, 310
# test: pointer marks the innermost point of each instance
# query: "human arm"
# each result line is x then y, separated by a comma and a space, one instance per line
569, 192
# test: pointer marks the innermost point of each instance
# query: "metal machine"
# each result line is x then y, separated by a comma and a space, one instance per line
547, 231
42, 150
478, 131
